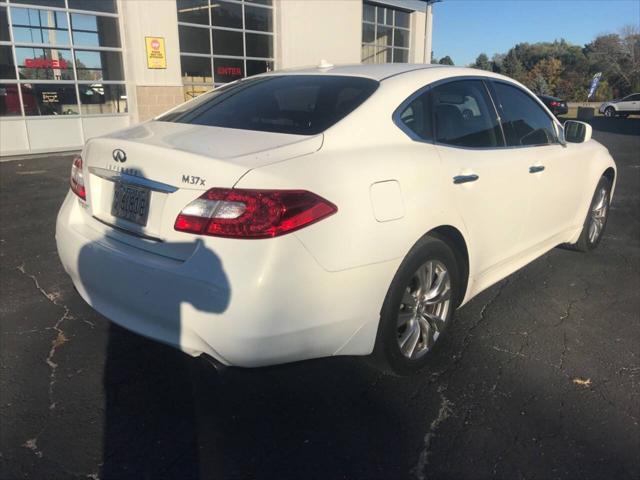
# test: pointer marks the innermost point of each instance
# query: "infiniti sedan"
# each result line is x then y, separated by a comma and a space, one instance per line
341, 210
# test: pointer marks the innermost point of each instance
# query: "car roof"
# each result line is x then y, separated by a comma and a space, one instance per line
374, 71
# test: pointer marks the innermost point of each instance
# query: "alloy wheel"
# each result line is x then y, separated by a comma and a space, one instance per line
598, 215
424, 309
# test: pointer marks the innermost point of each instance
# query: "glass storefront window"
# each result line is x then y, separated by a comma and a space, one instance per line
94, 31
239, 40
99, 65
42, 3
42, 44
194, 39
31, 25
227, 42
193, 11
256, 18
44, 63
4, 25
97, 98
226, 14
49, 99
195, 69
193, 91
7, 68
9, 100
107, 6
385, 34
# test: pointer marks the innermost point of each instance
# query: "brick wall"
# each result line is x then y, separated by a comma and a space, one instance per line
153, 101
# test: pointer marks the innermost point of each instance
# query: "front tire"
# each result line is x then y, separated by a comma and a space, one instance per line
597, 216
609, 112
418, 307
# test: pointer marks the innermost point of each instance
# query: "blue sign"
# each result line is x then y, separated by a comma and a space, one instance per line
594, 84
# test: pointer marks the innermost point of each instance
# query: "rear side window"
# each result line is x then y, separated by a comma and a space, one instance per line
295, 104
524, 121
464, 115
416, 116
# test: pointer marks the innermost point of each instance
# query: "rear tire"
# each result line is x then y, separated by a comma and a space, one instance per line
418, 307
596, 221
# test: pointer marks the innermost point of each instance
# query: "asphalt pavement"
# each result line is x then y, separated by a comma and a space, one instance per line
539, 377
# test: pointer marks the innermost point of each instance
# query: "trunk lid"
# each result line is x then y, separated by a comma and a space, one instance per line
175, 163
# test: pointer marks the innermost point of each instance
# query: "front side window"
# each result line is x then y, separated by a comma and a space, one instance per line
294, 104
464, 115
524, 121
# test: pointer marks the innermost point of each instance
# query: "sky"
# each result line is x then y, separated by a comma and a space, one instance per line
463, 29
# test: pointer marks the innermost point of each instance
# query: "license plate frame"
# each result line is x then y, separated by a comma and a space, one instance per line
131, 203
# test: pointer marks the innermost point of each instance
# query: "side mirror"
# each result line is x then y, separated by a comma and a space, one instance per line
577, 132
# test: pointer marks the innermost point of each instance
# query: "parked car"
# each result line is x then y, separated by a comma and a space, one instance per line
622, 107
556, 105
332, 211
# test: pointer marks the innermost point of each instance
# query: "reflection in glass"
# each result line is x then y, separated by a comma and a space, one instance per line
94, 31
4, 25
9, 100
7, 68
401, 38
43, 3
400, 55
195, 69
259, 45
193, 91
39, 26
254, 67
226, 14
227, 43
108, 6
93, 65
97, 98
44, 63
49, 99
227, 69
193, 11
257, 18
194, 39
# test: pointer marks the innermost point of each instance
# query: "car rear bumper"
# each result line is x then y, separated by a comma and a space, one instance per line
243, 302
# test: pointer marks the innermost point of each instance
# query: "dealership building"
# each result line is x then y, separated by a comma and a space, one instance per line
74, 69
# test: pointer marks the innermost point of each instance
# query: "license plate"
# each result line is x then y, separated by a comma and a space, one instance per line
131, 203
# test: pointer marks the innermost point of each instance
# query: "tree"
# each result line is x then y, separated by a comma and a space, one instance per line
483, 63
446, 61
512, 66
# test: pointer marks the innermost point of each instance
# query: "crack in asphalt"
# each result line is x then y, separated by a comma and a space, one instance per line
445, 411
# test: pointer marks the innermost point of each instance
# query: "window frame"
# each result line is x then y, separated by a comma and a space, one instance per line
393, 28
488, 85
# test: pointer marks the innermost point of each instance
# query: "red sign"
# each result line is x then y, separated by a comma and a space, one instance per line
155, 44
229, 71
45, 63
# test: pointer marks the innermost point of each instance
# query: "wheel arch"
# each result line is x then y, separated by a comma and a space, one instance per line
454, 238
610, 173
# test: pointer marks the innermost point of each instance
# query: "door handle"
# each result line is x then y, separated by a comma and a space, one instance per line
536, 169
465, 178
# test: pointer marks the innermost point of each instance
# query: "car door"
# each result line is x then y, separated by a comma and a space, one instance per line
484, 179
554, 176
635, 103
625, 105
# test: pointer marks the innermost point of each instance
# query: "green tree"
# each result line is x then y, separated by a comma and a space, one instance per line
446, 61
483, 63
512, 66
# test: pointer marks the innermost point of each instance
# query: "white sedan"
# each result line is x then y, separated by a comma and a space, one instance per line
328, 211
623, 107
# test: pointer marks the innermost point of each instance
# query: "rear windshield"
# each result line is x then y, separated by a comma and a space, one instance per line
296, 104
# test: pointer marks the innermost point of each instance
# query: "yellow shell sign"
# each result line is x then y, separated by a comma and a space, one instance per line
156, 56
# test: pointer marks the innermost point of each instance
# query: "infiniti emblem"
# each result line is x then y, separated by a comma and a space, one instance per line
119, 155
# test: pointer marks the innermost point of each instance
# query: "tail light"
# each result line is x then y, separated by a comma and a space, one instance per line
239, 213
77, 178
554, 104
